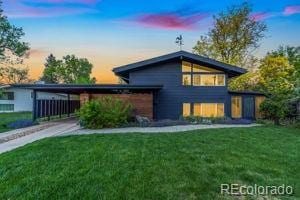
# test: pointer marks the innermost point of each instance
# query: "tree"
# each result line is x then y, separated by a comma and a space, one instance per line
12, 49
52, 66
13, 75
276, 74
293, 56
76, 70
68, 70
233, 38
276, 79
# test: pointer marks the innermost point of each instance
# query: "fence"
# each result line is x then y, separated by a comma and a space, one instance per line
50, 108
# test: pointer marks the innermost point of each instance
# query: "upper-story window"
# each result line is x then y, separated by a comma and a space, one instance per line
7, 96
197, 75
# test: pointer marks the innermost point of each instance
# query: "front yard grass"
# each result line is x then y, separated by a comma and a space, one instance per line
189, 165
7, 118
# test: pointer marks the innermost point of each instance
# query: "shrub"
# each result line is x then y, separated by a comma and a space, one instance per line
274, 109
105, 113
22, 123
204, 120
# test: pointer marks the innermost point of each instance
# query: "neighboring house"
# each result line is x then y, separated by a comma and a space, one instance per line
171, 86
20, 99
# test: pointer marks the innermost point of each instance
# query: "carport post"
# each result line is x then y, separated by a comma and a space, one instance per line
34, 112
69, 105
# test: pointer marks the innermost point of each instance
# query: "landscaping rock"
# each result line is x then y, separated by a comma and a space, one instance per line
142, 120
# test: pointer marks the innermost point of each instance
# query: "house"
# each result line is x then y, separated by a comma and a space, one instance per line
192, 85
14, 99
168, 87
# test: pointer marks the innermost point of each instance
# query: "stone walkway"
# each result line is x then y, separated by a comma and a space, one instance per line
168, 129
20, 137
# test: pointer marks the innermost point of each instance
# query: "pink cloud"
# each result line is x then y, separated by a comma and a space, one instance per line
169, 21
290, 10
261, 16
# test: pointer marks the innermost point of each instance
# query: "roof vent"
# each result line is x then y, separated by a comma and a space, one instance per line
39, 82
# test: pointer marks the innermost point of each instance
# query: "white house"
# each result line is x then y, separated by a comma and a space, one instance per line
18, 99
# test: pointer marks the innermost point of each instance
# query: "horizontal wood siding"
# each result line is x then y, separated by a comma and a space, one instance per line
168, 101
142, 103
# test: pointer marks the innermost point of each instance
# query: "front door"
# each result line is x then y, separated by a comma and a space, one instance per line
249, 109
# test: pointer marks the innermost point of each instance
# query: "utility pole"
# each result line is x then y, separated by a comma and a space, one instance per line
179, 41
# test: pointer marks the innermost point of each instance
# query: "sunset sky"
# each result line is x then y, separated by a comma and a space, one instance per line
114, 32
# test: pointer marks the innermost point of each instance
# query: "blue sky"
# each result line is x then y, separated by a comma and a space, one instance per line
112, 33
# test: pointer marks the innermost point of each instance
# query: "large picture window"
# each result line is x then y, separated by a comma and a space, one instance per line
209, 109
6, 107
7, 96
236, 107
197, 75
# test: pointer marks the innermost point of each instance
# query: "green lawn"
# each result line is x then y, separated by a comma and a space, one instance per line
6, 118
189, 165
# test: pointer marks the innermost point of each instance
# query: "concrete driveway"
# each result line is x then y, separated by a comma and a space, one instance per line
20, 137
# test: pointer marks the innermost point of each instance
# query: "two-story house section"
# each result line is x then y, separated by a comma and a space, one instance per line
192, 85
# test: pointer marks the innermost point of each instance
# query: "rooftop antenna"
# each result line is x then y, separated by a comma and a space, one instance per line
179, 41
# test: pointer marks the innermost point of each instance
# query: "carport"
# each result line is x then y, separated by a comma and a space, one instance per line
141, 96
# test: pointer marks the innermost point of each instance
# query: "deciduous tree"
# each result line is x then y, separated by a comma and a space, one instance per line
51, 71
68, 70
13, 75
12, 49
233, 38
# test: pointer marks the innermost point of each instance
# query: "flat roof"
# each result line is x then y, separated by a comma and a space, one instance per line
81, 88
247, 92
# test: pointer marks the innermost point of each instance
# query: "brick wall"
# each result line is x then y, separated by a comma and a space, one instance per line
142, 103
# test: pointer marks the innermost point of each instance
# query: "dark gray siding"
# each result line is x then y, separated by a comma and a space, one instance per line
168, 102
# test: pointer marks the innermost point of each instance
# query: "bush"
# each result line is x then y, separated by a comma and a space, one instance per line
204, 120
105, 113
274, 109
21, 124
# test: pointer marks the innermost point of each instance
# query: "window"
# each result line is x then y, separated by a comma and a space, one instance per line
186, 109
199, 68
212, 80
197, 109
221, 80
7, 96
236, 107
196, 75
209, 109
186, 79
258, 101
186, 67
196, 79
6, 107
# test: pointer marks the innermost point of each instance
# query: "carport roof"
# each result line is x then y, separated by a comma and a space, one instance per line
88, 88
